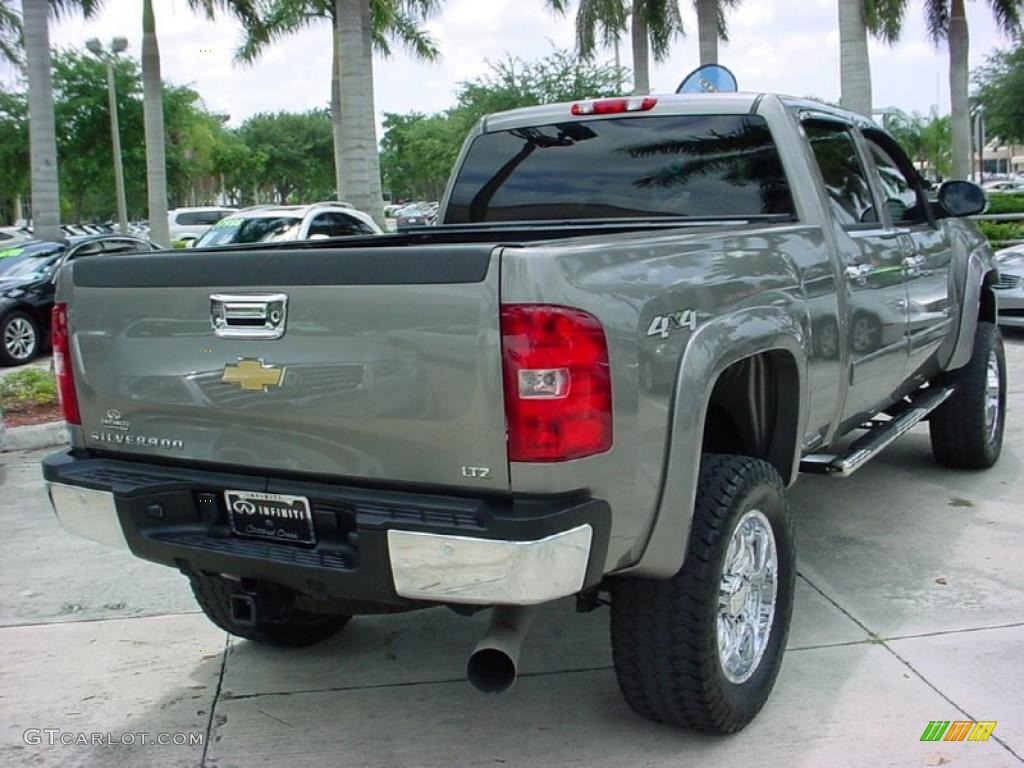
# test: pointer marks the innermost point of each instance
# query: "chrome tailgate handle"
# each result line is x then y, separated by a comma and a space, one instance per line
249, 316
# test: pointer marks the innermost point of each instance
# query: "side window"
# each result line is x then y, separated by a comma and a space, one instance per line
845, 178
335, 224
209, 217
902, 197
122, 246
321, 225
89, 249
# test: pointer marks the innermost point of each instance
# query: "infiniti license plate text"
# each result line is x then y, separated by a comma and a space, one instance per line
271, 516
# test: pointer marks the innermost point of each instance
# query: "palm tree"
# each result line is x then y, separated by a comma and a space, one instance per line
390, 21
947, 21
653, 26
42, 133
711, 27
153, 109
858, 18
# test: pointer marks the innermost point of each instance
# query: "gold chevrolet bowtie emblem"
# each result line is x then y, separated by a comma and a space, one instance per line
253, 375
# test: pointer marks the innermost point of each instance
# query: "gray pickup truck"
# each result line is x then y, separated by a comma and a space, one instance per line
637, 321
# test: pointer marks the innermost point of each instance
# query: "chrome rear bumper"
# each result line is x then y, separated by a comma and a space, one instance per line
460, 569
88, 513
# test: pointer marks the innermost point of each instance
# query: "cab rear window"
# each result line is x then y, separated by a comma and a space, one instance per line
690, 165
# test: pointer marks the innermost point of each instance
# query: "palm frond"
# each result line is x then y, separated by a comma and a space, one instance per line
1008, 15
280, 19
884, 18
11, 41
937, 15
664, 24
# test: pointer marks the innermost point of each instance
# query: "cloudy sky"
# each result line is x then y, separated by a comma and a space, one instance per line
789, 46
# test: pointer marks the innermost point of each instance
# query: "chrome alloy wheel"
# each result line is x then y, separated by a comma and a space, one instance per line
19, 338
993, 396
747, 595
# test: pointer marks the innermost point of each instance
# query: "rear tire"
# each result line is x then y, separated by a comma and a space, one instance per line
667, 634
288, 627
967, 429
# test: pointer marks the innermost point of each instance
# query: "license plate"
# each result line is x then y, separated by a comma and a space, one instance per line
274, 516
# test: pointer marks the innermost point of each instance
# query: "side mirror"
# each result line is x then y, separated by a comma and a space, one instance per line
962, 198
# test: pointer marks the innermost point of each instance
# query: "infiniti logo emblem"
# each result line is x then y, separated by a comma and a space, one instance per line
243, 507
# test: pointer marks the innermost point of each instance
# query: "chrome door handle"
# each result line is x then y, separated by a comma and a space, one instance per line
249, 316
858, 271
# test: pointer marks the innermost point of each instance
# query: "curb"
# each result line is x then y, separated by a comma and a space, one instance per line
49, 435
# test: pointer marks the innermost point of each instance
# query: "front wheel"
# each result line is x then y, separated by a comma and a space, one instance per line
967, 429
703, 648
20, 339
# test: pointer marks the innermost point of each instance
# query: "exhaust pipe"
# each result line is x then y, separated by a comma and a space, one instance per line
494, 664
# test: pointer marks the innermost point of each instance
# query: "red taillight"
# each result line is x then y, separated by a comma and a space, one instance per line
558, 393
613, 106
62, 364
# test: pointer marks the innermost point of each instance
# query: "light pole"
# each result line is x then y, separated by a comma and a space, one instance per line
117, 45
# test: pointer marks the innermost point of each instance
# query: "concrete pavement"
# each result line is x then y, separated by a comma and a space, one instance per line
910, 608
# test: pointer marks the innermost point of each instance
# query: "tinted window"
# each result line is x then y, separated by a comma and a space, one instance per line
253, 230
845, 178
623, 167
334, 224
901, 196
199, 218
22, 260
124, 246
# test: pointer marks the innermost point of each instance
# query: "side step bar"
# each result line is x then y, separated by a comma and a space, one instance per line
879, 436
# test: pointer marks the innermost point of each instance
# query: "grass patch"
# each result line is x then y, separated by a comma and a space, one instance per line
29, 386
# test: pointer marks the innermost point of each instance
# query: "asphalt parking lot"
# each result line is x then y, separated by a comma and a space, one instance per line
910, 608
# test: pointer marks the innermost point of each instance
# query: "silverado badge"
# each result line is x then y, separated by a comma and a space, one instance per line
253, 374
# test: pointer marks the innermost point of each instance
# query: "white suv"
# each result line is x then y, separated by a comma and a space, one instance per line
272, 224
192, 223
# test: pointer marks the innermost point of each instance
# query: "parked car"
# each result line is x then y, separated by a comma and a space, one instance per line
413, 216
192, 223
12, 235
465, 421
1010, 286
1003, 187
273, 224
27, 272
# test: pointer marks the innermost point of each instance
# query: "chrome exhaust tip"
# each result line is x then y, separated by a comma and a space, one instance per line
494, 664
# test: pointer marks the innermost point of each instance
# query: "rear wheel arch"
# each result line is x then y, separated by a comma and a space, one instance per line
754, 410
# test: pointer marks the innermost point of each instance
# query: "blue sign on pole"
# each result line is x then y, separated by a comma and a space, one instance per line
711, 78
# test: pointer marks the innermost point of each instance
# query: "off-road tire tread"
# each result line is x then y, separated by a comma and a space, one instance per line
957, 427
665, 660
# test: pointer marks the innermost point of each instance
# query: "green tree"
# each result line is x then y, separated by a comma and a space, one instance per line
1000, 83
156, 163
294, 152
391, 21
712, 27
14, 155
925, 139
419, 151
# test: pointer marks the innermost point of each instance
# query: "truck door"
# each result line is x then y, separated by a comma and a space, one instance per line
928, 253
872, 255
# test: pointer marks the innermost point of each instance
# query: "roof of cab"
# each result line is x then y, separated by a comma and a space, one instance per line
667, 104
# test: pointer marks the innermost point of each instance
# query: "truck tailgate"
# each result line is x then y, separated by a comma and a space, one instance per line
388, 367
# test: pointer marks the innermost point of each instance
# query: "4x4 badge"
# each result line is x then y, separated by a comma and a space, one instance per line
252, 374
